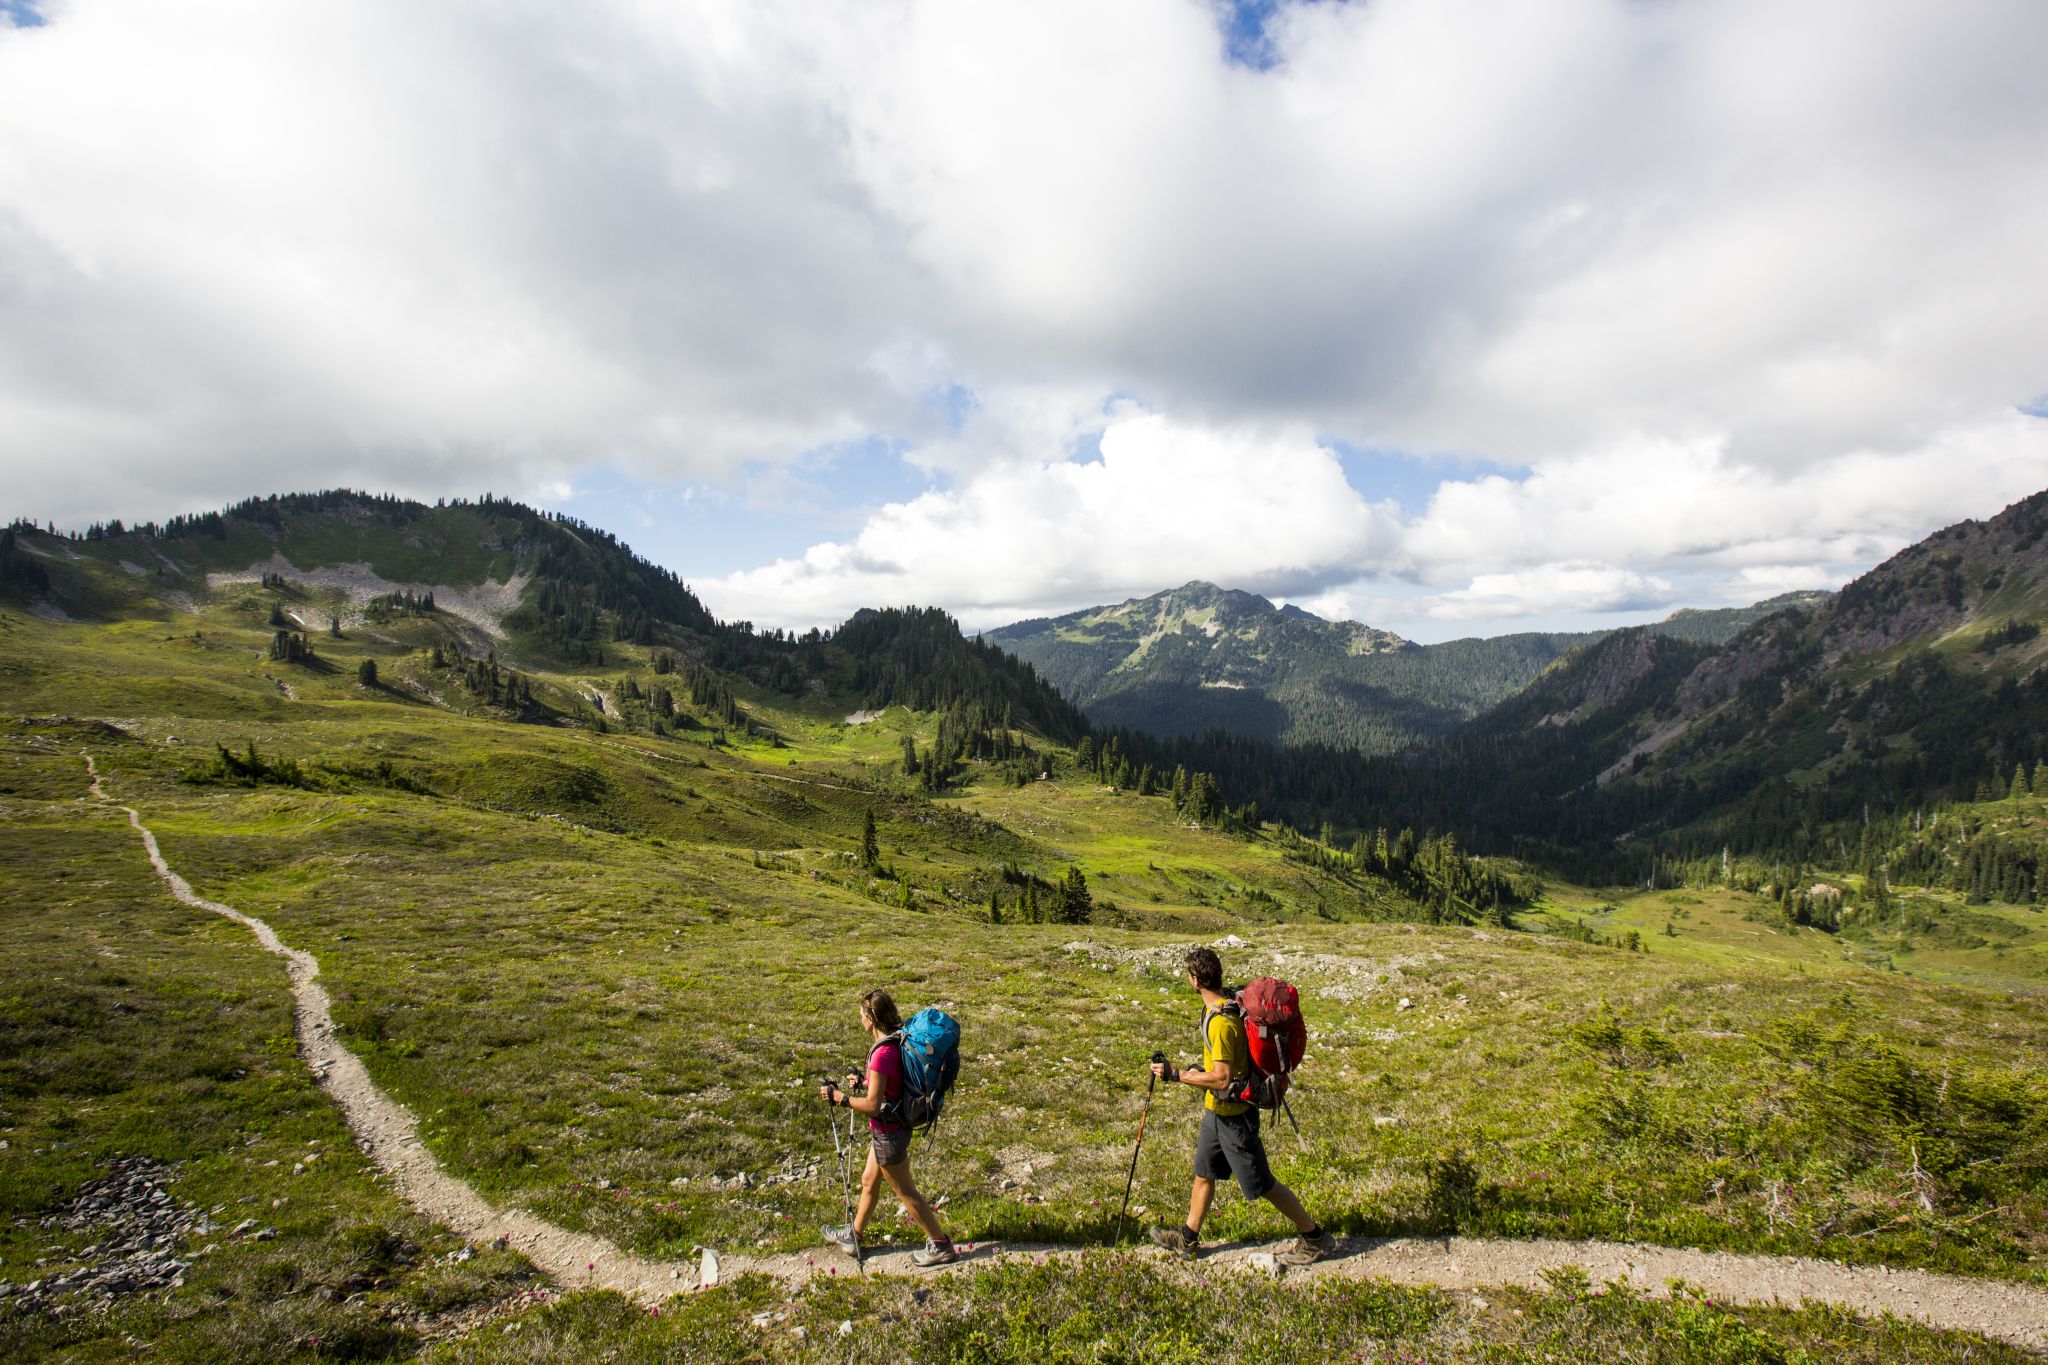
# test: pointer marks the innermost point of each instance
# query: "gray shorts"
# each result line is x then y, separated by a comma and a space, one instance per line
1229, 1145
892, 1146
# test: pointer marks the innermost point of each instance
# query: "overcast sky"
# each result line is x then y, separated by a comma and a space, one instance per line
1455, 316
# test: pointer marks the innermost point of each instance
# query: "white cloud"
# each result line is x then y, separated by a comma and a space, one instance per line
1655, 503
1759, 583
1629, 530
1458, 224
1748, 288
432, 248
1164, 503
1553, 588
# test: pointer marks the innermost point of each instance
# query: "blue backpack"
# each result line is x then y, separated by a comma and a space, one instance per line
931, 1063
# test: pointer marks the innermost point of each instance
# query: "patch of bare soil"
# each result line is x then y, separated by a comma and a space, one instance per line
482, 607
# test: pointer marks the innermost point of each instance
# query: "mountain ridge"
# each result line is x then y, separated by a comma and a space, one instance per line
525, 585
1201, 657
1831, 727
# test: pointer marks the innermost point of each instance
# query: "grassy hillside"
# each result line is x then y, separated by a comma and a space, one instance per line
603, 954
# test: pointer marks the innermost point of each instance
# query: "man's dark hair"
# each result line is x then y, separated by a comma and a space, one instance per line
1205, 967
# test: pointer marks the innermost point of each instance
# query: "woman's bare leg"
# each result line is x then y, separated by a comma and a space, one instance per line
870, 1190
913, 1202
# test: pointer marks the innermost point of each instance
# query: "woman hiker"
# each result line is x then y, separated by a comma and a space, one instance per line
889, 1156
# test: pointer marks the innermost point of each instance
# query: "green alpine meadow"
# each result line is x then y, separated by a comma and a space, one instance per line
595, 884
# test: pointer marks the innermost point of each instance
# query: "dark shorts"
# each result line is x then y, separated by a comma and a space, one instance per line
892, 1146
1229, 1145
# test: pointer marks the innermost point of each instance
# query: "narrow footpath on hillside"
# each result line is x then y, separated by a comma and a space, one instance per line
389, 1134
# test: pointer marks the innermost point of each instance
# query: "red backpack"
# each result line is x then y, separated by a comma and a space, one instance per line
1276, 1037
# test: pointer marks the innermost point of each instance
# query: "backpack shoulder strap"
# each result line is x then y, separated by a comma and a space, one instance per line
1229, 1009
893, 1109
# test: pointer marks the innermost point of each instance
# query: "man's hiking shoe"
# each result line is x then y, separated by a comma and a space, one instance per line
934, 1253
1176, 1240
845, 1239
1308, 1250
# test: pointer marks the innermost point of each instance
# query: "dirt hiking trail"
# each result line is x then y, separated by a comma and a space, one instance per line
389, 1134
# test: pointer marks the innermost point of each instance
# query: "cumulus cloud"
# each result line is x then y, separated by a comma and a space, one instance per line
1623, 532
433, 248
1567, 587
1743, 287
1650, 502
1162, 504
1512, 228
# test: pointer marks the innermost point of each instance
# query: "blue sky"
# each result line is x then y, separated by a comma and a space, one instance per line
1457, 316
705, 529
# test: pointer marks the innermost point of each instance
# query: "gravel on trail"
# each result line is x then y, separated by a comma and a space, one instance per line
389, 1134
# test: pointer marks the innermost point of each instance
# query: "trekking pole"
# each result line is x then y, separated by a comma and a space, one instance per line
860, 1258
1152, 1080
845, 1171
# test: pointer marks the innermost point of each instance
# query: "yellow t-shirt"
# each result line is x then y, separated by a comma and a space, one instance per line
1223, 1042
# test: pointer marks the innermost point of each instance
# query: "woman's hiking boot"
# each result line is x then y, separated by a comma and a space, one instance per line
1177, 1240
846, 1239
934, 1253
1308, 1248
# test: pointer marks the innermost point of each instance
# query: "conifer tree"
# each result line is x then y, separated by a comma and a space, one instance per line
1073, 904
366, 673
870, 847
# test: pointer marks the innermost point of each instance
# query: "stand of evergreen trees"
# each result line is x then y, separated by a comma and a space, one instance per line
393, 605
490, 684
19, 569
1038, 901
290, 647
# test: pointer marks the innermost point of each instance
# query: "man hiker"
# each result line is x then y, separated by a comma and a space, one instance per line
889, 1154
1229, 1144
